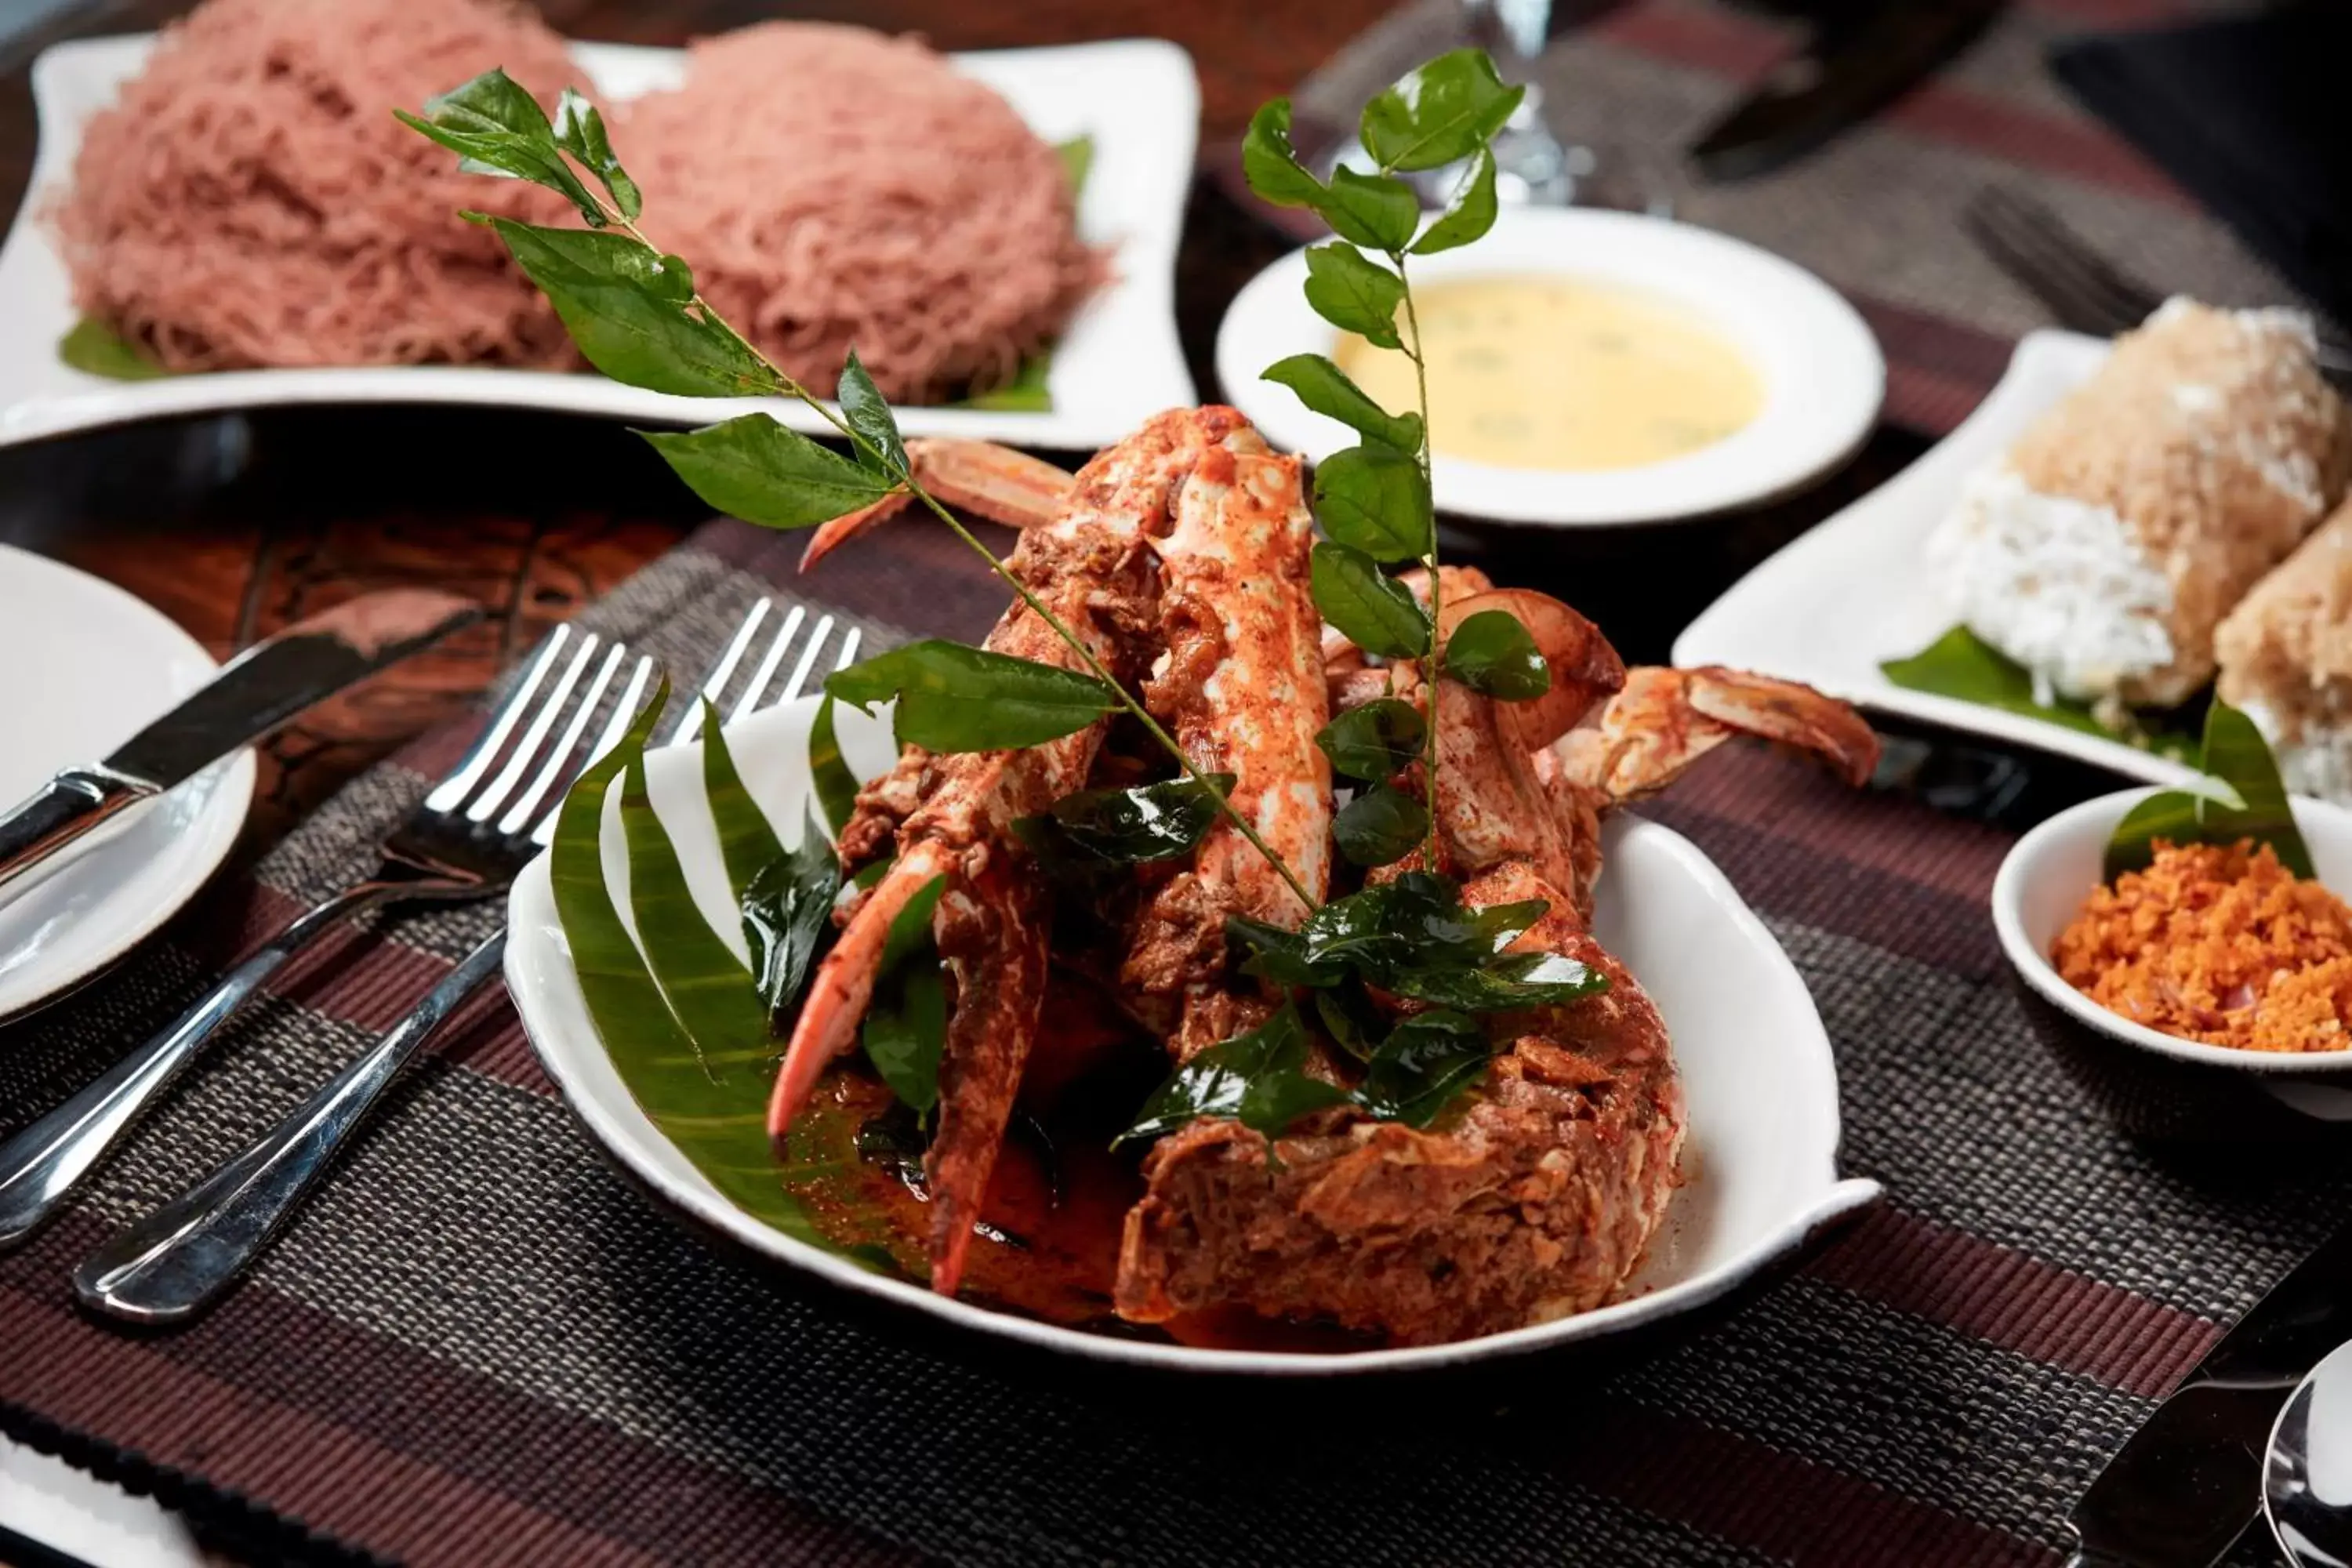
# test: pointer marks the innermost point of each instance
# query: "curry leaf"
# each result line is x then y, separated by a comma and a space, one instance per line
1375, 498
1279, 955
1127, 826
703, 984
1520, 980
1492, 652
1354, 293
2241, 797
1370, 209
623, 304
1379, 826
1324, 387
1365, 604
837, 786
1216, 1081
579, 131
957, 699
1349, 1016
1442, 112
1376, 742
752, 468
95, 349
1275, 1099
1416, 919
495, 127
1078, 156
787, 909
907, 1020
864, 411
1271, 167
1470, 216
1426, 1061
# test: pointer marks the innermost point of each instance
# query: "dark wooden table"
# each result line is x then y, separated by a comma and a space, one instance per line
235, 525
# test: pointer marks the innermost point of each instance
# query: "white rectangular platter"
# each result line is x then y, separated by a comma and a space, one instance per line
1854, 591
1120, 363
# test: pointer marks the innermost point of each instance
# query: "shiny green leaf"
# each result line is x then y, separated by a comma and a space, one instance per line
579, 131
1349, 1016
1470, 216
631, 312
906, 1025
95, 349
752, 468
1441, 113
787, 908
1376, 742
1426, 1063
497, 128
1128, 827
1273, 1101
1381, 825
1279, 955
1354, 293
1370, 209
1507, 984
953, 698
1962, 666
864, 411
1492, 652
1365, 604
1269, 164
837, 786
1376, 500
1216, 1081
2241, 797
1324, 387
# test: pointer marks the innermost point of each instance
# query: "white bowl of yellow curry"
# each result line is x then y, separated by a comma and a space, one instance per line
1588, 368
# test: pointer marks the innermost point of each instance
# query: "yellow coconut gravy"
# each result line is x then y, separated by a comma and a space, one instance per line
1553, 372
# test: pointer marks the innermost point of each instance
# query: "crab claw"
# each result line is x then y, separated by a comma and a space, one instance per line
995, 482
1666, 720
1585, 669
992, 930
843, 984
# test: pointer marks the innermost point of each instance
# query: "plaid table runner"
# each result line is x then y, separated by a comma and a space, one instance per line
1877, 211
481, 1344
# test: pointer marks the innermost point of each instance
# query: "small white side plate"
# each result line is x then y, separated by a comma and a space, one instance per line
1823, 375
2048, 873
90, 665
1762, 1154
1855, 591
1120, 363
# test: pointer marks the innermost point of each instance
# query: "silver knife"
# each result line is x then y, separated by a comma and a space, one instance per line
2191, 1480
254, 693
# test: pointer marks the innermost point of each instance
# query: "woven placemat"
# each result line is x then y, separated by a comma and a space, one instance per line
481, 1344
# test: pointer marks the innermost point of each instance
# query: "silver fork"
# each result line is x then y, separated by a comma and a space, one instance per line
169, 1265
2082, 287
448, 849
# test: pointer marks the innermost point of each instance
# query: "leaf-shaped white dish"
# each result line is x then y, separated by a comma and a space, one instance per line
1761, 1161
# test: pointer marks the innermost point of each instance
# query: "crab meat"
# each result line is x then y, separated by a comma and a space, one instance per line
996, 482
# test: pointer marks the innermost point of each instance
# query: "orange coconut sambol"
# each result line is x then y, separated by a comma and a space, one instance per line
2219, 943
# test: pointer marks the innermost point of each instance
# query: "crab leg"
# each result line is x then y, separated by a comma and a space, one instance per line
1241, 687
952, 815
995, 482
1666, 720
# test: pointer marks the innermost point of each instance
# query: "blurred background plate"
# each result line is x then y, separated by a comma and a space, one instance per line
86, 667
1139, 100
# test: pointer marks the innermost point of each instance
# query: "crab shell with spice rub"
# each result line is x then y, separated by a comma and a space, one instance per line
953, 816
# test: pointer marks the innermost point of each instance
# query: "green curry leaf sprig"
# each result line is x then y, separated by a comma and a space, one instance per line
635, 314
1374, 498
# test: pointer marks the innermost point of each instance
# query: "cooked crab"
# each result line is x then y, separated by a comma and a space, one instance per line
1182, 556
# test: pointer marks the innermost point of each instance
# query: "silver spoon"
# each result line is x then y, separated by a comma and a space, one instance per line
2307, 1471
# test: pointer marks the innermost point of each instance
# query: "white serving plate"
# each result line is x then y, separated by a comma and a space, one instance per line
1762, 1088
2047, 873
1855, 590
1823, 375
1120, 363
93, 666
